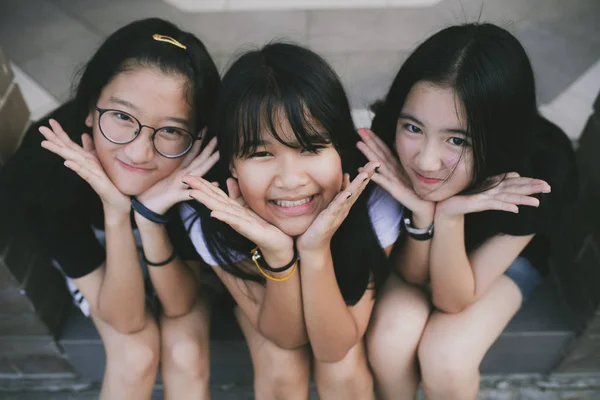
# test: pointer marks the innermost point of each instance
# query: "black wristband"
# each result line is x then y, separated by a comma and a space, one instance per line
148, 213
260, 259
420, 234
161, 263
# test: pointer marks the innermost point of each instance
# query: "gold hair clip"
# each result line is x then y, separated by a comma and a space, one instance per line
168, 39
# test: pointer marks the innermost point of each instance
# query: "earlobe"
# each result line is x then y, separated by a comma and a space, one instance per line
89, 120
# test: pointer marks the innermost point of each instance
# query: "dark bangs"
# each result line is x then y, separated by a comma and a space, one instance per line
285, 82
263, 110
277, 83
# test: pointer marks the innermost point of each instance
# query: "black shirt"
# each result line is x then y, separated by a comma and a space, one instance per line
62, 210
553, 160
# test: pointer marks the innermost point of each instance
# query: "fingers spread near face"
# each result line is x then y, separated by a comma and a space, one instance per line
375, 145
193, 153
203, 191
513, 191
352, 189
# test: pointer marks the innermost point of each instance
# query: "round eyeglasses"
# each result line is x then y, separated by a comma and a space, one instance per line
120, 127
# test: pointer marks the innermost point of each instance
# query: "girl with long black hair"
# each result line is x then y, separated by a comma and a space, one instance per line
484, 180
107, 217
299, 238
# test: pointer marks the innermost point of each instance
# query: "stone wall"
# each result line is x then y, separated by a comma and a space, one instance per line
578, 266
32, 293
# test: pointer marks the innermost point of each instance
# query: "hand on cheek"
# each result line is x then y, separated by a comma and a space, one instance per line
318, 235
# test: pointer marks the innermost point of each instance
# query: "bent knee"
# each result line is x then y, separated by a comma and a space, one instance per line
445, 364
351, 373
281, 373
396, 329
136, 360
187, 355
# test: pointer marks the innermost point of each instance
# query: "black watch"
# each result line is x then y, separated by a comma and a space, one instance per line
417, 233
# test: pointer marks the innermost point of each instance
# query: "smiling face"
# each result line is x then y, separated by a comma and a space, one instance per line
288, 187
156, 100
432, 144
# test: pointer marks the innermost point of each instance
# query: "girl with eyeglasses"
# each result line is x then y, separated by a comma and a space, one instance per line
104, 203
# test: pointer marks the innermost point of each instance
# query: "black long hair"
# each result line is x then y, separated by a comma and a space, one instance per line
283, 77
35, 180
491, 74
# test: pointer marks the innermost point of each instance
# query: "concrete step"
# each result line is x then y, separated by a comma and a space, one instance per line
533, 342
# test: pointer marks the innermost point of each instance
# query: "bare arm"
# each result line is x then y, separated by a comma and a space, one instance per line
411, 259
333, 327
119, 298
458, 279
176, 283
275, 310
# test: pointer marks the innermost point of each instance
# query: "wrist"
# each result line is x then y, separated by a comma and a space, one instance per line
422, 219
279, 258
114, 217
316, 259
145, 224
444, 218
153, 204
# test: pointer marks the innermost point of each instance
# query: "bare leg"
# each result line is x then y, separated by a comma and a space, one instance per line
399, 318
279, 374
348, 379
453, 345
185, 363
131, 358
131, 361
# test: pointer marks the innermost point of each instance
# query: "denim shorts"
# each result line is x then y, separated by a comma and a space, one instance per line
524, 275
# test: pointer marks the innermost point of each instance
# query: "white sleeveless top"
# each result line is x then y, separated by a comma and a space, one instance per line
385, 213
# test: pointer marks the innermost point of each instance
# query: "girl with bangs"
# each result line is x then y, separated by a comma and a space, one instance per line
299, 238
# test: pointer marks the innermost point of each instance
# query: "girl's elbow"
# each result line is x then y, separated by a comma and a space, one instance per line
289, 343
126, 326
452, 306
331, 354
179, 310
413, 278
122, 323
283, 340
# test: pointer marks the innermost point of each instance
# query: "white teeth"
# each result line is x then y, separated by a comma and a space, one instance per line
287, 203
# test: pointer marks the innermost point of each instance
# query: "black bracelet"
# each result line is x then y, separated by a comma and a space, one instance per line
161, 263
260, 259
148, 213
420, 234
